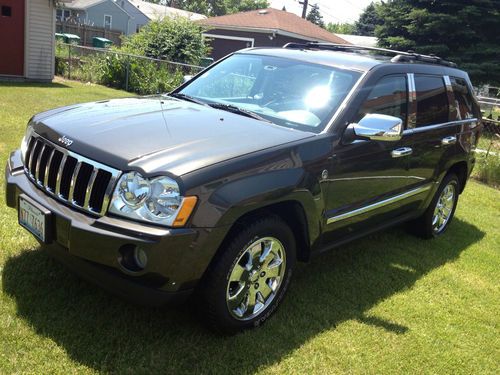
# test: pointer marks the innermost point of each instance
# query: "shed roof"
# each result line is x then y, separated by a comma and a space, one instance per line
273, 20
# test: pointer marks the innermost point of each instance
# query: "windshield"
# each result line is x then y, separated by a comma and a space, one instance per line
287, 92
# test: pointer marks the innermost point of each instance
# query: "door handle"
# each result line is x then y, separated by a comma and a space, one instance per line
451, 140
400, 152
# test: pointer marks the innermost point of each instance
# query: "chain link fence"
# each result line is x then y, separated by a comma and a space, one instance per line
133, 73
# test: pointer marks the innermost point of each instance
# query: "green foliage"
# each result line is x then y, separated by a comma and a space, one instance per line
174, 39
464, 32
367, 21
315, 16
487, 169
214, 8
341, 28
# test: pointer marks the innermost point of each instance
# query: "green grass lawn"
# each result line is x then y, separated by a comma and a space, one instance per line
389, 303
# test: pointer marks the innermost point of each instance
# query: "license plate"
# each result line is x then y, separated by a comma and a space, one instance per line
34, 218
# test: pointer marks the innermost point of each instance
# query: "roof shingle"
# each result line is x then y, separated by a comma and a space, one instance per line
274, 19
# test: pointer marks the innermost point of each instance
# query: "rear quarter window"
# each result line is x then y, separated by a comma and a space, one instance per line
432, 100
464, 104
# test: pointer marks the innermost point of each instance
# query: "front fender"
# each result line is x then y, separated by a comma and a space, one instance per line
242, 196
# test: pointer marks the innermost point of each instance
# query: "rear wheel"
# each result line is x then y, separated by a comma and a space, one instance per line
439, 214
250, 277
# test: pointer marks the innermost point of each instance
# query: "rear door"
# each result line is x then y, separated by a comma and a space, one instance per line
432, 130
12, 37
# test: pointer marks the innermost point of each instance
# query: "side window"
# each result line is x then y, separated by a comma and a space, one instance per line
432, 100
387, 97
463, 99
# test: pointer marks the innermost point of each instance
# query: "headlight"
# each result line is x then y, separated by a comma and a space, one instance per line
157, 200
24, 142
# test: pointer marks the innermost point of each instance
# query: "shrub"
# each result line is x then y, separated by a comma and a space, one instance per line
487, 169
174, 39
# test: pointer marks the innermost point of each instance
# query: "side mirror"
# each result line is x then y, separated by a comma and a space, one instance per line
379, 127
186, 78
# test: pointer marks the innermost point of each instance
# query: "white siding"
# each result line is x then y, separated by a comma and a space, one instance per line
40, 28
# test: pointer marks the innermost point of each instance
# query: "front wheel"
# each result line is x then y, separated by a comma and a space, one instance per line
439, 214
250, 276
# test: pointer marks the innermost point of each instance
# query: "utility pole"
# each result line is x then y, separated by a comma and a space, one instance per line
304, 7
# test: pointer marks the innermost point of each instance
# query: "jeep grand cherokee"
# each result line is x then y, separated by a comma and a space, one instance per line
268, 157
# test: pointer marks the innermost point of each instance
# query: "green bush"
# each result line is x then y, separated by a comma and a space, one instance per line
487, 169
174, 39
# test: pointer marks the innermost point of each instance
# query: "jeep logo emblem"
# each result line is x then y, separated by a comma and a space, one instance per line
65, 141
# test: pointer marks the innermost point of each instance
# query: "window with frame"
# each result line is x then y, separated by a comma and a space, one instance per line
389, 96
464, 107
107, 22
432, 100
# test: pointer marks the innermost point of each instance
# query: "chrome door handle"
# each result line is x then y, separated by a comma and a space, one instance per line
451, 140
399, 152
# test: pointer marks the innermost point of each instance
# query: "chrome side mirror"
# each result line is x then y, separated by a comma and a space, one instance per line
186, 78
379, 127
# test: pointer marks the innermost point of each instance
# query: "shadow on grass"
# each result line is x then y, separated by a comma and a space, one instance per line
106, 334
55, 85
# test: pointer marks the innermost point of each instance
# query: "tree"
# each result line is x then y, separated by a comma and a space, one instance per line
367, 21
174, 39
213, 8
340, 28
466, 33
315, 16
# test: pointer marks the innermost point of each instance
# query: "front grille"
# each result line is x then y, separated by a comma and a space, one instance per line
71, 178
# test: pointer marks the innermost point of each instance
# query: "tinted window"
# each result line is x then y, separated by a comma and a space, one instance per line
290, 93
432, 100
387, 97
463, 99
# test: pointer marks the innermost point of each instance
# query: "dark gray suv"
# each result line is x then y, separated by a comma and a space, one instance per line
268, 157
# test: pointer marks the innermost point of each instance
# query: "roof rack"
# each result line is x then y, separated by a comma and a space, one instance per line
399, 56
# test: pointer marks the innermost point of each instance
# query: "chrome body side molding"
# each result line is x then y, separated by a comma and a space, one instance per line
379, 204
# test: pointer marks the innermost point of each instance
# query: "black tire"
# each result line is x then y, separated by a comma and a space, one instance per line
424, 226
215, 288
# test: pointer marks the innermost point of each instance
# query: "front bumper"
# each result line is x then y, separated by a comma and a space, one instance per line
93, 246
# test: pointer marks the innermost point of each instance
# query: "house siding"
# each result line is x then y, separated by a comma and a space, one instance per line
139, 19
222, 47
120, 19
39, 40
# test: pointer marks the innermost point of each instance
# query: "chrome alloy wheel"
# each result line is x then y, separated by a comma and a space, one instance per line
444, 208
256, 278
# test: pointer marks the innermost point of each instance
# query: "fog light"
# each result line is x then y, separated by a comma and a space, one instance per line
140, 257
132, 258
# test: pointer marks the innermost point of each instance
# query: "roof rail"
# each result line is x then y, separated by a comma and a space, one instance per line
399, 56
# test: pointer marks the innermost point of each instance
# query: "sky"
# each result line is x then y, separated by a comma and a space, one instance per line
335, 11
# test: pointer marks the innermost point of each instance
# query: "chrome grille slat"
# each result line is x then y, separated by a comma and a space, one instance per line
30, 161
88, 190
37, 168
107, 195
59, 176
68, 181
73, 183
47, 168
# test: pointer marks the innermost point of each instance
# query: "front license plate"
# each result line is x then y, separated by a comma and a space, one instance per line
33, 219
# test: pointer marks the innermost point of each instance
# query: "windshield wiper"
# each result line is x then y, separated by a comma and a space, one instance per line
238, 110
189, 98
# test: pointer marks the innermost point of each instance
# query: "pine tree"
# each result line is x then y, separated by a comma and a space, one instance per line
464, 32
315, 16
367, 21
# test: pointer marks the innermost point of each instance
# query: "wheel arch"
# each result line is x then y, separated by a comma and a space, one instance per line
461, 169
291, 212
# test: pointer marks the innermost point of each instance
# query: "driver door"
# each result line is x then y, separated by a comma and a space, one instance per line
365, 175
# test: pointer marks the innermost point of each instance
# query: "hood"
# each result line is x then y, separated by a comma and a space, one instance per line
159, 134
